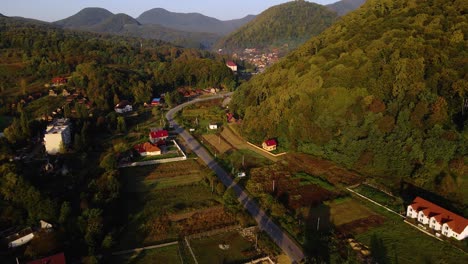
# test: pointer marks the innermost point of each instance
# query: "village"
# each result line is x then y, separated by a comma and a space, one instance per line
158, 163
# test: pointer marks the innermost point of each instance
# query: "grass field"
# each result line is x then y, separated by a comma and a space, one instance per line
207, 249
380, 197
307, 179
169, 254
217, 142
405, 244
347, 210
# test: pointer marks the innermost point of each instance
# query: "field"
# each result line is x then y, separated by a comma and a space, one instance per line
410, 245
162, 202
347, 210
380, 197
217, 142
207, 249
169, 254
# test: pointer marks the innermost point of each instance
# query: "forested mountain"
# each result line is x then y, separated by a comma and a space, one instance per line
345, 6
102, 21
383, 92
107, 67
87, 17
291, 23
191, 22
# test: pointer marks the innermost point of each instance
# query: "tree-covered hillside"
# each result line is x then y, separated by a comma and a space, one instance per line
291, 23
105, 67
383, 92
345, 6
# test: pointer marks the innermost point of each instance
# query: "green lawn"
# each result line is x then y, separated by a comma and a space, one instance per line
380, 197
207, 249
162, 183
307, 179
346, 210
169, 254
405, 244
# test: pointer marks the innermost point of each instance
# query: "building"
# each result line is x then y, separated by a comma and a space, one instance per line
59, 81
148, 149
158, 135
55, 259
231, 65
269, 145
156, 101
57, 135
438, 219
213, 126
20, 238
123, 107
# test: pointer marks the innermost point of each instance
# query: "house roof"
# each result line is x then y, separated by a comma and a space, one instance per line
59, 80
55, 259
156, 100
231, 63
146, 147
270, 142
455, 222
122, 104
159, 134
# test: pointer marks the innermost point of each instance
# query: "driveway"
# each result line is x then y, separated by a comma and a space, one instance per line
280, 237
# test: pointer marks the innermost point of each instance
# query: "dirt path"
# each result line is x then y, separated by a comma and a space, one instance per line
238, 142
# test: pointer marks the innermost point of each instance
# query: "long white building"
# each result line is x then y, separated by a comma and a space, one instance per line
437, 218
57, 134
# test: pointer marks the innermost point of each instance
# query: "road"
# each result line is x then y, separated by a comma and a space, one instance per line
280, 237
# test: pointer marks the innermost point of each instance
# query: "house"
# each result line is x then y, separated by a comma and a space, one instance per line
57, 135
20, 238
59, 81
123, 107
65, 93
45, 225
148, 149
438, 219
213, 126
156, 101
158, 135
52, 93
55, 259
231, 65
269, 145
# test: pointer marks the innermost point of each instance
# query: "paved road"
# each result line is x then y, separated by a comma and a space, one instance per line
264, 222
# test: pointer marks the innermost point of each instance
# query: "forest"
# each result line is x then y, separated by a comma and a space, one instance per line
288, 24
105, 66
382, 92
77, 192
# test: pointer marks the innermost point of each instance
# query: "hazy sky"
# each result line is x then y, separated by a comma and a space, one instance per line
52, 10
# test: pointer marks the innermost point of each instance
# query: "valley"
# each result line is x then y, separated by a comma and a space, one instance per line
306, 133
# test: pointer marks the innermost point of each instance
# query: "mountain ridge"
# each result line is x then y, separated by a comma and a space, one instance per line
345, 6
290, 23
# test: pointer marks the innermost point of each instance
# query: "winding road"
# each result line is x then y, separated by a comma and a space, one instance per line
280, 237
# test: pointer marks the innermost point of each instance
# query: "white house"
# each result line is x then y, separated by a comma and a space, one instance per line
148, 149
231, 65
437, 218
123, 107
57, 134
20, 238
213, 126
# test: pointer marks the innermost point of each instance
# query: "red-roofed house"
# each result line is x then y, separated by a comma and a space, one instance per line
55, 259
58, 81
147, 149
438, 218
269, 145
231, 65
157, 136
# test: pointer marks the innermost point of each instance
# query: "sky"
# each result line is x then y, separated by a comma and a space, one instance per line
53, 10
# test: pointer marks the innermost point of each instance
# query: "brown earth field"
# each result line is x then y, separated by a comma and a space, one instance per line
218, 143
332, 172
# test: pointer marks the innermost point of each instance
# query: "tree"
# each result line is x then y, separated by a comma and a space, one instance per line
378, 250
121, 126
109, 162
65, 211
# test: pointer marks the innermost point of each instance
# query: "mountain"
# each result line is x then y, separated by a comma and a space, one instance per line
114, 23
102, 21
191, 22
87, 17
382, 92
291, 23
345, 6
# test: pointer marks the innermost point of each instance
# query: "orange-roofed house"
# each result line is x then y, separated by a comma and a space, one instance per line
148, 149
437, 218
55, 259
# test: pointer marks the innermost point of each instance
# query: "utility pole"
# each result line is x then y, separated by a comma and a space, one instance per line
273, 185
318, 223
